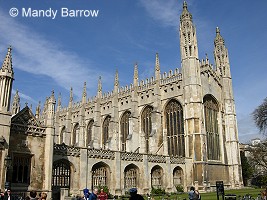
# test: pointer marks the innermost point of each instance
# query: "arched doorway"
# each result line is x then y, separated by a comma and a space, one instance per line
61, 174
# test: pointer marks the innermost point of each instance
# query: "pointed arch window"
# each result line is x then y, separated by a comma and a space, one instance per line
130, 177
105, 131
175, 128
61, 174
211, 125
76, 134
62, 135
124, 129
100, 175
89, 133
147, 125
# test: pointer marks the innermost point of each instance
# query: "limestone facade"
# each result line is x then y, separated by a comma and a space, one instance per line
174, 129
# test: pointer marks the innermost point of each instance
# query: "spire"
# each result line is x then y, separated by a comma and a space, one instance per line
7, 64
99, 88
16, 103
218, 39
157, 67
186, 15
135, 82
84, 93
71, 97
221, 55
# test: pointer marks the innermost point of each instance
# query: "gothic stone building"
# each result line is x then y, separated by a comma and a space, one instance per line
176, 128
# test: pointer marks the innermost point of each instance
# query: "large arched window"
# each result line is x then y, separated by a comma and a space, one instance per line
131, 176
147, 125
124, 129
100, 175
105, 131
89, 133
76, 134
175, 128
156, 177
211, 125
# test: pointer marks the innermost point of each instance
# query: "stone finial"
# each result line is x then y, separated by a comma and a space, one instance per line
218, 39
16, 103
71, 97
157, 65
116, 81
84, 90
99, 84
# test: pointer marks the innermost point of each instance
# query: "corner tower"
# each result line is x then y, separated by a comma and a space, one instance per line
6, 80
192, 88
230, 123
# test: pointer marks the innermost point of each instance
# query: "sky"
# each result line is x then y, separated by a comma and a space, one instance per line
59, 52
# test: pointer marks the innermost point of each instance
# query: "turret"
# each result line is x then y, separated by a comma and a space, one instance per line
192, 97
188, 36
230, 121
16, 103
7, 77
221, 55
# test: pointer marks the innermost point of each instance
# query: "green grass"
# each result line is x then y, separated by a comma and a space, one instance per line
213, 195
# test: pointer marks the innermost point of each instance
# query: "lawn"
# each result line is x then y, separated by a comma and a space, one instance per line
213, 195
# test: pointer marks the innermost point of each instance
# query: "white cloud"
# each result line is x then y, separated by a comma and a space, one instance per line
165, 12
25, 97
37, 55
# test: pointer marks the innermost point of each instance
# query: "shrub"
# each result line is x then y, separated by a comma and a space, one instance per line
179, 188
157, 191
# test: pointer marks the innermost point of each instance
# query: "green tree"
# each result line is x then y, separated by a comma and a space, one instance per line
247, 170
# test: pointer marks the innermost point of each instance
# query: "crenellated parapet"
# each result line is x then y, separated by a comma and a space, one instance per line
208, 69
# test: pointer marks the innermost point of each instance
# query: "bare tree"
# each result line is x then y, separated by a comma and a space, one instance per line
258, 157
260, 116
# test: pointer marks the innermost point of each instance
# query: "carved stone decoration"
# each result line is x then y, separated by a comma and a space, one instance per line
63, 149
156, 158
130, 156
101, 154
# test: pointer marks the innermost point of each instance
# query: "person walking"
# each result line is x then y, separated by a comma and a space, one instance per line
93, 195
134, 195
102, 195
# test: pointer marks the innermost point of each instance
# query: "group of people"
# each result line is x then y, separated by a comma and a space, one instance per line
94, 195
7, 195
103, 195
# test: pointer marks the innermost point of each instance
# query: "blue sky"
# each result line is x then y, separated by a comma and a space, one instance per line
56, 54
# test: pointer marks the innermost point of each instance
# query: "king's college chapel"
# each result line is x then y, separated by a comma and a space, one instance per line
175, 129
